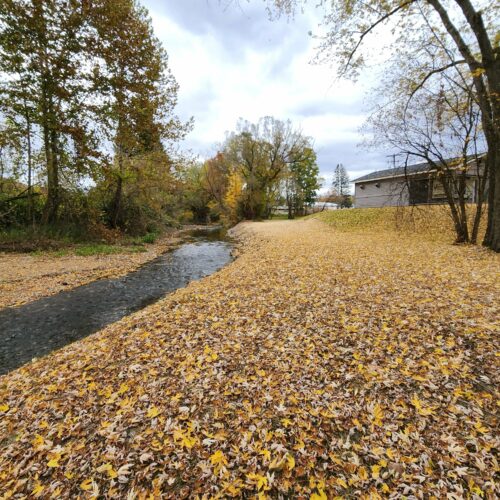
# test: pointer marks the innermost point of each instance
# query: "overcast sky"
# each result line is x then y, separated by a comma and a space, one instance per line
232, 62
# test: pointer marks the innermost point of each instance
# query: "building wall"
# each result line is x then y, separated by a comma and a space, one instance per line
382, 193
394, 192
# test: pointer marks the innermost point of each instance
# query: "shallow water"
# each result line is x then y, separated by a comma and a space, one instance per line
35, 329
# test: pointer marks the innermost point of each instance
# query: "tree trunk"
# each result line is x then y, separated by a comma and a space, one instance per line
31, 213
117, 199
50, 139
52, 204
492, 237
461, 233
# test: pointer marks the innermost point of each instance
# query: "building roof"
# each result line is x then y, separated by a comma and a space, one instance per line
418, 168
394, 172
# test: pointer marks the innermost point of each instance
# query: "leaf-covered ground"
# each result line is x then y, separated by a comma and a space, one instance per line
318, 364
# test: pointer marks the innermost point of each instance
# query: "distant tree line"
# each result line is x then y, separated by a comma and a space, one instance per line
89, 138
259, 167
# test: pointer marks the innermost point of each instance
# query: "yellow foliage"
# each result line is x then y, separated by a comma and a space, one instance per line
233, 194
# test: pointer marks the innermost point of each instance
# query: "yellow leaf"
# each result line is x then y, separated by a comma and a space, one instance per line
363, 474
123, 389
68, 475
341, 482
4, 407
375, 471
259, 480
184, 439
37, 489
321, 495
153, 412
218, 458
300, 445
378, 415
54, 461
277, 464
420, 409
480, 427
109, 469
86, 485
38, 441
266, 454
290, 462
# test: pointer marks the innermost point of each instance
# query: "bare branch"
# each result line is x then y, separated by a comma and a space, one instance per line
371, 28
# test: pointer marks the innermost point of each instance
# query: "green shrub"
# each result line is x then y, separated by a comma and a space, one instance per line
149, 238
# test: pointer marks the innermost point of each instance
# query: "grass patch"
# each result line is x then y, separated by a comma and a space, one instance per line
149, 238
62, 240
101, 249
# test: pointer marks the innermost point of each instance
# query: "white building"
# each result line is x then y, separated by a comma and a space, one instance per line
410, 185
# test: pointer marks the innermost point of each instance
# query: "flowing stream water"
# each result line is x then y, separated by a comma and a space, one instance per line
35, 329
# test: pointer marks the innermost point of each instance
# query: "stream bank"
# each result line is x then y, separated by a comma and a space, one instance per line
26, 277
39, 327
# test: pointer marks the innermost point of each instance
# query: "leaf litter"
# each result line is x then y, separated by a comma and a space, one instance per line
319, 364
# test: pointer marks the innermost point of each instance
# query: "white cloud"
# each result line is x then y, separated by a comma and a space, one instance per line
234, 62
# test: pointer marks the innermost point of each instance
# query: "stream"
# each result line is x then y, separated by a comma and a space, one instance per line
38, 328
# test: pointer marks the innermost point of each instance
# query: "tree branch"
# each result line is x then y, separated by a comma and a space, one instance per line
372, 27
429, 75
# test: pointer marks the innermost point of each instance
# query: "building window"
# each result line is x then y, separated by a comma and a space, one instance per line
377, 184
418, 191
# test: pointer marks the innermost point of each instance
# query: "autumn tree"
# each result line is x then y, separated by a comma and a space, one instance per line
44, 61
262, 153
91, 80
467, 31
216, 170
301, 183
140, 95
196, 198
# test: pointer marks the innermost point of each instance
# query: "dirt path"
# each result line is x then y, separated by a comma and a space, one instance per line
318, 364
